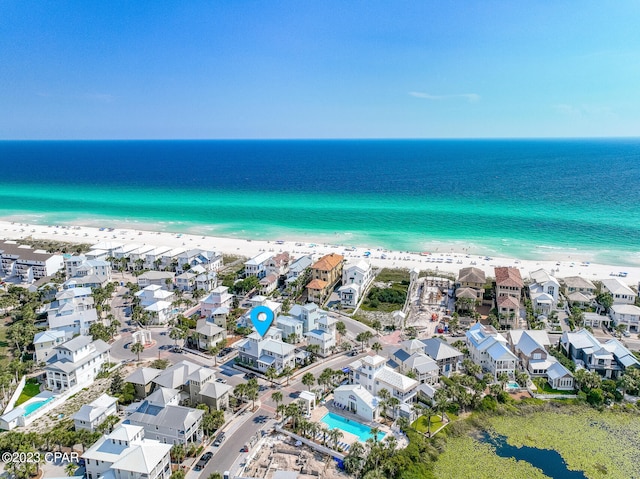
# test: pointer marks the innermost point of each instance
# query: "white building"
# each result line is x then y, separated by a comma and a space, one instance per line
164, 279
261, 352
27, 263
45, 341
356, 278
257, 266
489, 349
620, 292
83, 272
357, 400
127, 454
627, 315
268, 284
167, 423
153, 258
544, 292
73, 312
446, 356
374, 375
298, 267
209, 260
324, 335
91, 415
278, 264
76, 363
216, 305
152, 294
209, 333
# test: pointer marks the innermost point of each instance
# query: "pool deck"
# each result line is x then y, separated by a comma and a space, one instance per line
321, 410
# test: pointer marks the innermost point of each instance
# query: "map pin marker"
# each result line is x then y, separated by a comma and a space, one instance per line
262, 317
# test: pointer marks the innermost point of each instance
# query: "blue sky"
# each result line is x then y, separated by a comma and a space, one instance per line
319, 69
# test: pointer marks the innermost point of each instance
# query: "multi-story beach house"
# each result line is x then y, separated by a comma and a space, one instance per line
153, 258
324, 335
298, 267
257, 266
142, 380
609, 359
579, 291
292, 329
627, 315
28, 264
446, 356
83, 272
543, 292
259, 352
75, 363
268, 284
45, 341
278, 265
424, 368
508, 293
166, 422
620, 292
530, 346
91, 415
164, 279
125, 453
325, 273
356, 278
471, 278
209, 334
73, 312
209, 260
157, 302
216, 305
489, 349
372, 373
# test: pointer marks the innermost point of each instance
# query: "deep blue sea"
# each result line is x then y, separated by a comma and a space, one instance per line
522, 198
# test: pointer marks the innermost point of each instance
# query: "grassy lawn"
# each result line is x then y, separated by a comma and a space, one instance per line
544, 388
394, 275
31, 388
421, 424
388, 299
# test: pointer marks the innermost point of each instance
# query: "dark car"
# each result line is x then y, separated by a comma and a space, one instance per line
206, 457
249, 376
219, 440
353, 353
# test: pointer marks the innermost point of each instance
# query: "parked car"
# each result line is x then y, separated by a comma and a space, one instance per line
249, 376
219, 440
221, 380
206, 457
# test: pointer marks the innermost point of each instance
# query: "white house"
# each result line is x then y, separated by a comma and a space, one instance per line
489, 349
83, 272
620, 292
544, 292
278, 264
257, 266
356, 278
209, 334
324, 335
373, 374
268, 284
209, 260
290, 326
560, 378
425, 368
169, 424
91, 415
160, 312
595, 320
157, 278
152, 294
627, 315
446, 356
45, 341
186, 281
298, 267
127, 454
72, 312
76, 363
357, 400
153, 258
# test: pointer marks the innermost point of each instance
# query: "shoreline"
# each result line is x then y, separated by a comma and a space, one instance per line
449, 261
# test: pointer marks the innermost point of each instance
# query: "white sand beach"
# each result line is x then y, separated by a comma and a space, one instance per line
441, 262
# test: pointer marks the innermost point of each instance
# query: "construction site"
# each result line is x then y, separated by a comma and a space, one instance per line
430, 302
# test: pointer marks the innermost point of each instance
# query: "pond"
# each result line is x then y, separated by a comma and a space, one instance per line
549, 461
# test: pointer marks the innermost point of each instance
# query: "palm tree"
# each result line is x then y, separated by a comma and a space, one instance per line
277, 398
335, 435
175, 334
313, 429
341, 329
137, 348
313, 350
374, 432
442, 399
70, 468
287, 372
503, 379
325, 432
271, 374
308, 379
377, 347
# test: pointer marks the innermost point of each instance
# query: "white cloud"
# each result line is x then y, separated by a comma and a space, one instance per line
584, 111
470, 97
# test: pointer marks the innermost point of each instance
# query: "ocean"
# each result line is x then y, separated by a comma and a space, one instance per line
520, 198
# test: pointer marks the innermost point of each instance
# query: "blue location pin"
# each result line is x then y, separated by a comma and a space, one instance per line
261, 317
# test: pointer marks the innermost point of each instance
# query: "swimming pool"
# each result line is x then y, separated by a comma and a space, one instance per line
34, 406
513, 385
352, 427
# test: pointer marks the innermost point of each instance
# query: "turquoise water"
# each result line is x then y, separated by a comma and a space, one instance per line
532, 199
32, 407
353, 427
513, 385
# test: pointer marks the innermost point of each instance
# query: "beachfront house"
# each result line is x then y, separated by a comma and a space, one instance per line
489, 349
627, 315
620, 292
207, 259
28, 264
470, 280
257, 266
356, 278
125, 453
608, 359
543, 292
446, 356
325, 273
278, 265
91, 415
579, 291
153, 258
83, 272
298, 268
75, 363
508, 293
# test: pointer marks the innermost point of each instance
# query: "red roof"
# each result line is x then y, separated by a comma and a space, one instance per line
509, 277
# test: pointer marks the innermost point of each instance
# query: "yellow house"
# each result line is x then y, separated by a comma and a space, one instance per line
325, 273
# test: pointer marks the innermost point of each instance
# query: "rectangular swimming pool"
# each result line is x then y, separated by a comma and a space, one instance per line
34, 406
348, 425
